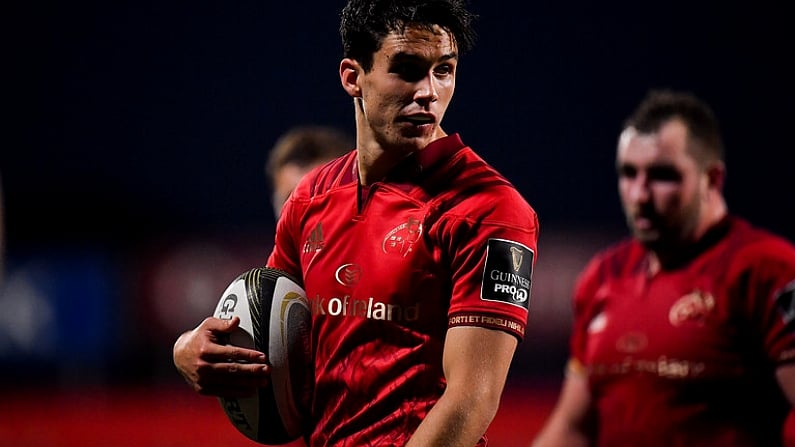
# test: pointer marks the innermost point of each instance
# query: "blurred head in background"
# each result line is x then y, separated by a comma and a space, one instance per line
296, 152
671, 171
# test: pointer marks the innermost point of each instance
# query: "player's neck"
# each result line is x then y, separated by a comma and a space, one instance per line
675, 254
374, 164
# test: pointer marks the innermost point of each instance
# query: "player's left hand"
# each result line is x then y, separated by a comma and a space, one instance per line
212, 367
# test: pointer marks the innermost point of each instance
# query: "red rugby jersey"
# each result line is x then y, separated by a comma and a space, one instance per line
686, 357
443, 241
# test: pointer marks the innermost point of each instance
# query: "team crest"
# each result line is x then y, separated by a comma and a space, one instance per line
401, 239
694, 307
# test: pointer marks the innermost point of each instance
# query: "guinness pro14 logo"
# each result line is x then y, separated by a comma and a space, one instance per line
508, 272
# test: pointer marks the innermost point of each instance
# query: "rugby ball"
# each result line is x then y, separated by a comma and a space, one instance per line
275, 318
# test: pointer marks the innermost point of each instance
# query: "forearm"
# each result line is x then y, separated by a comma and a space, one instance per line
475, 362
569, 425
456, 421
558, 434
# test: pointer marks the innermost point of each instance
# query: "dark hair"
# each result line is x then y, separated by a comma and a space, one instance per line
365, 23
660, 106
305, 145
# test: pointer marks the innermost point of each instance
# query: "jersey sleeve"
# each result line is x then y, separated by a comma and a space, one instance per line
764, 281
491, 251
583, 309
285, 254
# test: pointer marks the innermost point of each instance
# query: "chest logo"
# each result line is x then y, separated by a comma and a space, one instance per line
694, 307
315, 241
401, 239
632, 342
348, 274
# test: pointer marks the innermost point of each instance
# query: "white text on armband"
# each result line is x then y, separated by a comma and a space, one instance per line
488, 321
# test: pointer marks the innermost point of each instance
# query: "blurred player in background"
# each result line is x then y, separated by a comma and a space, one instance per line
432, 249
683, 335
298, 151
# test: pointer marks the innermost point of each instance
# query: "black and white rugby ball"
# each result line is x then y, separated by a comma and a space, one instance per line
274, 318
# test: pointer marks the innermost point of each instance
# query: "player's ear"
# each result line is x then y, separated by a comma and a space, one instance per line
716, 173
350, 72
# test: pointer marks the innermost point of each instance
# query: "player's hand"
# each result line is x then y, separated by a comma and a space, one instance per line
212, 367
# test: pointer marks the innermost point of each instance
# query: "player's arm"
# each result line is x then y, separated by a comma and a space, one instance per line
772, 268
475, 362
786, 380
567, 425
785, 373
212, 367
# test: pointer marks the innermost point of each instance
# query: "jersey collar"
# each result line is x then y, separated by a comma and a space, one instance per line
416, 163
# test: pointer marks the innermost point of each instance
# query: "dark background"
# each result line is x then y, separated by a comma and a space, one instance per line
135, 135
131, 119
